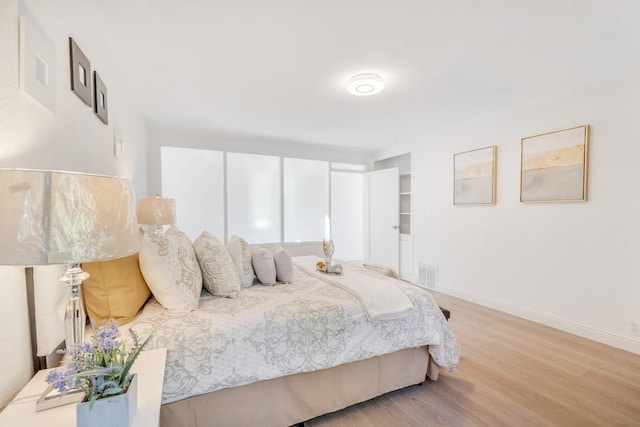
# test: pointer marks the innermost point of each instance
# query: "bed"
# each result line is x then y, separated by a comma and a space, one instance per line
281, 355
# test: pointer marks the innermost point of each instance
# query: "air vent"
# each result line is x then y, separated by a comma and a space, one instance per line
427, 275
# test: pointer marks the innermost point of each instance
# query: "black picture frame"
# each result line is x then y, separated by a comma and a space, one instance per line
80, 73
101, 106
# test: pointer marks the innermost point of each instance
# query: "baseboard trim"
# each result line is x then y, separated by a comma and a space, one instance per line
615, 340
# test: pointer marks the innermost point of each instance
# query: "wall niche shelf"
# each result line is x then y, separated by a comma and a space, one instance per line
405, 203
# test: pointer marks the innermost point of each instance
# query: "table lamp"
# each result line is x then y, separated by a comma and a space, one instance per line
53, 217
156, 211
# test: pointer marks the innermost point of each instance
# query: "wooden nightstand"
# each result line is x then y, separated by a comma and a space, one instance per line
150, 368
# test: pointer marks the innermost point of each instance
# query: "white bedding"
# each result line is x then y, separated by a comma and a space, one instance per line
273, 331
379, 300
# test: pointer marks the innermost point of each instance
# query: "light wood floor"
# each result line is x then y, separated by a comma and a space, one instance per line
513, 373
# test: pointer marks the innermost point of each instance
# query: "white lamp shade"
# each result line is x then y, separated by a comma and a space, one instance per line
51, 217
156, 211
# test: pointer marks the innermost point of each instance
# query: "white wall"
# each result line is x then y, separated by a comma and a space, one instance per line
568, 265
15, 347
159, 137
72, 138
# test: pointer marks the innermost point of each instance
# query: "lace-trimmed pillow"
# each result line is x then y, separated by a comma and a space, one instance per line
218, 270
170, 268
240, 253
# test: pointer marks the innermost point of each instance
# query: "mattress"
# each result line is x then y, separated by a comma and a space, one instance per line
272, 331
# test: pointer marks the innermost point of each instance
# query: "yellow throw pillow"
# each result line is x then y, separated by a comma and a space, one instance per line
115, 289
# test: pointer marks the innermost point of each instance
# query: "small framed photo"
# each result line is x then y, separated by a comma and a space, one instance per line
80, 73
474, 177
553, 166
100, 107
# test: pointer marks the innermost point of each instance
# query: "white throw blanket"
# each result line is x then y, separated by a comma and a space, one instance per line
378, 298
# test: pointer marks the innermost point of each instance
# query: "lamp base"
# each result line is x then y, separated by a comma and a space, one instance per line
75, 318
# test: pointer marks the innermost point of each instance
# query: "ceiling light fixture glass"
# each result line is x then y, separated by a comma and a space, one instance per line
365, 84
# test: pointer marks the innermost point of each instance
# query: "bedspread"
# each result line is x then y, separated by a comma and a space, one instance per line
273, 331
379, 300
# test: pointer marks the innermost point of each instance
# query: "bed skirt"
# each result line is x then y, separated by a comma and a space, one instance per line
296, 398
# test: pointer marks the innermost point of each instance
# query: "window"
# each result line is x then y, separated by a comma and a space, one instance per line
268, 199
254, 197
306, 200
195, 179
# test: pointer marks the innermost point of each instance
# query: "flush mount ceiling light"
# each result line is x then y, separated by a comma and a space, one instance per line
365, 84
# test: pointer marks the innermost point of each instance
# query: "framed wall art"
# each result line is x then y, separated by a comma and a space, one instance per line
100, 107
474, 177
80, 73
554, 166
37, 63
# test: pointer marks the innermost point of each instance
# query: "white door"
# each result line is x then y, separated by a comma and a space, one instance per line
405, 257
383, 232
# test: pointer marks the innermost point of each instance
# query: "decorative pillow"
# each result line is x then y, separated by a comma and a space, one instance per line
284, 264
263, 265
240, 253
115, 289
170, 267
218, 270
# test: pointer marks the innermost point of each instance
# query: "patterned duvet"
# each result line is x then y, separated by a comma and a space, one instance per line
273, 331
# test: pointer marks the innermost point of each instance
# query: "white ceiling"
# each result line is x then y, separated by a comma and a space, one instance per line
278, 69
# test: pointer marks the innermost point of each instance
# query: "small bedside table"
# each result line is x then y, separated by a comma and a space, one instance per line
150, 369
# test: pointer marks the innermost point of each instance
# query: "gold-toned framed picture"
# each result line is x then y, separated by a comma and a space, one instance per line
474, 177
554, 165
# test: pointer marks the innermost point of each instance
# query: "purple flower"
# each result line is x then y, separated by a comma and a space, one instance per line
134, 337
107, 344
106, 337
87, 348
60, 378
100, 368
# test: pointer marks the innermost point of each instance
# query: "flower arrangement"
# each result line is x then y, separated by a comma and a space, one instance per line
99, 368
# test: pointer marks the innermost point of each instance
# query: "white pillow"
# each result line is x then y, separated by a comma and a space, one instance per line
284, 264
170, 268
263, 265
240, 253
218, 271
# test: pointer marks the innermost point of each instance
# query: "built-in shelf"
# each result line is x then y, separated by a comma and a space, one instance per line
405, 202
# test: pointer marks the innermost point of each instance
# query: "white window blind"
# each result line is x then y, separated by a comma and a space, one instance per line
195, 179
254, 197
306, 200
